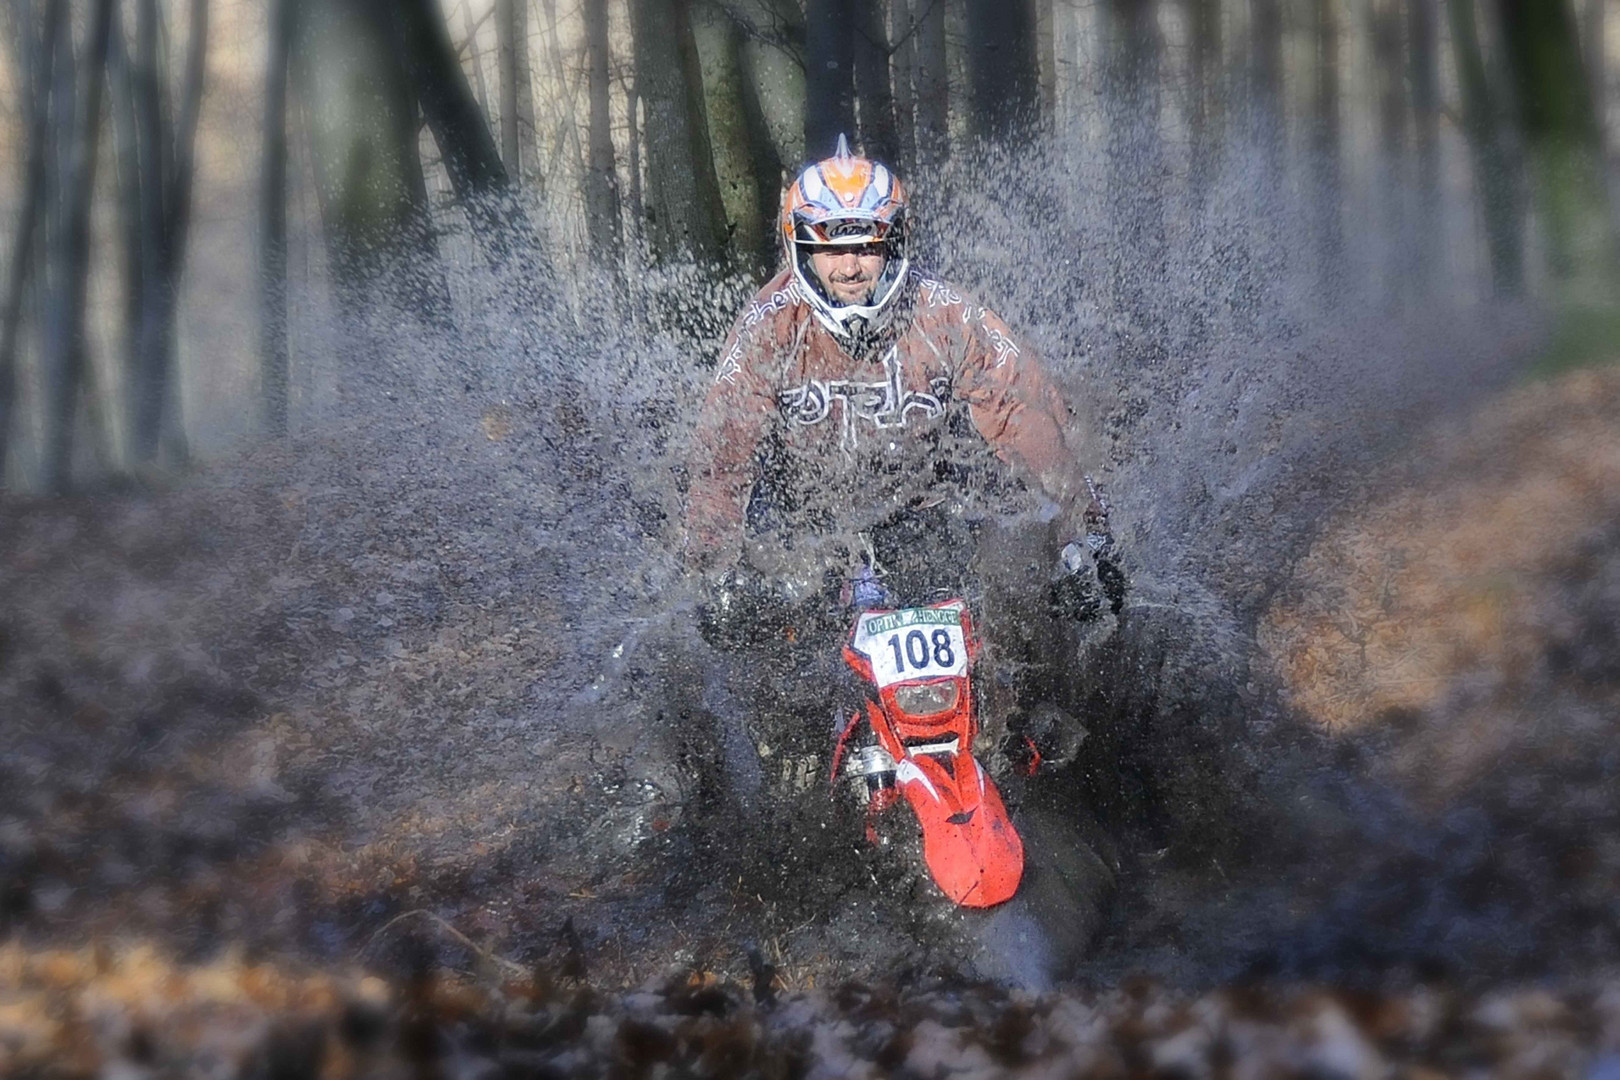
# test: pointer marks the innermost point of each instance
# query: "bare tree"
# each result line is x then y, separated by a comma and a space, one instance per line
360, 109
273, 355
1561, 135
1206, 116
482, 184
1135, 163
418, 32
65, 347
1004, 70
632, 108
1325, 145
1206, 93
904, 61
684, 211
1388, 50
601, 178
1497, 172
872, 88
762, 155
1593, 30
1046, 50
829, 75
516, 88
932, 78
38, 53
159, 173
509, 27
474, 57
1266, 32
567, 137
1423, 55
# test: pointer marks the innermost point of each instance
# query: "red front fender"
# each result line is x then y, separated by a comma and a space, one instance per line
972, 849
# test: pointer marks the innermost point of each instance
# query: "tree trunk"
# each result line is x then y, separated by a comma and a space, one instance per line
762, 152
1561, 135
1003, 68
568, 126
528, 173
686, 216
167, 155
632, 106
932, 79
1207, 95
273, 354
879, 139
1046, 49
1389, 62
905, 49
517, 91
65, 344
1597, 60
1136, 169
724, 82
361, 113
1496, 171
508, 39
1133, 63
1424, 64
1266, 33
459, 128
829, 76
147, 360
474, 57
125, 95
601, 178
37, 80
1326, 163
482, 183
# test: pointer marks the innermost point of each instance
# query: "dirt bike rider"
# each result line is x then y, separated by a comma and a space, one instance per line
860, 395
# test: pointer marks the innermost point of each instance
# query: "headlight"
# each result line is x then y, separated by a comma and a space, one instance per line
926, 699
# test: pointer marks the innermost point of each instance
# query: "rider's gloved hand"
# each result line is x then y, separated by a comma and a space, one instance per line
725, 605
739, 606
1089, 574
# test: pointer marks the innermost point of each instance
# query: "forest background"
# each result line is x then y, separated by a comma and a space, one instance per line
200, 190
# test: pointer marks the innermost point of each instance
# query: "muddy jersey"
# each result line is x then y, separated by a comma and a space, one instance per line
797, 432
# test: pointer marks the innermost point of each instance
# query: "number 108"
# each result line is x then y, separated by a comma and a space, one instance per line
918, 653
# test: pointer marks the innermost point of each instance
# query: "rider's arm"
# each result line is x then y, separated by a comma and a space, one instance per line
735, 416
1018, 411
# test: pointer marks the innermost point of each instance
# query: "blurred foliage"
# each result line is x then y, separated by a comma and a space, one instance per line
1582, 335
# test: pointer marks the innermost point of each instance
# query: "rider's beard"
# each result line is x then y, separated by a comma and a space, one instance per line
842, 285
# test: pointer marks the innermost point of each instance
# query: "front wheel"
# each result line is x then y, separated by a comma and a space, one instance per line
1037, 938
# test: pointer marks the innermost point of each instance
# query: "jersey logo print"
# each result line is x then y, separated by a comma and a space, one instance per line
731, 366
1002, 344
939, 294
885, 404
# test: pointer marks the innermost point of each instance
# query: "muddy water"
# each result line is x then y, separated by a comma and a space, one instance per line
323, 686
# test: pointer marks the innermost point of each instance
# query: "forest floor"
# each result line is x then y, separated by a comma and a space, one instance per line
221, 701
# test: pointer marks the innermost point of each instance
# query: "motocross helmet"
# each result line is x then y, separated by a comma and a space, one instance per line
846, 201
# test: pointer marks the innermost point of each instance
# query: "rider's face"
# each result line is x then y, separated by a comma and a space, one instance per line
849, 273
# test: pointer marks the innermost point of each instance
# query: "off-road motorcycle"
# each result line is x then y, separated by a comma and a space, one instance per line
1028, 875
920, 733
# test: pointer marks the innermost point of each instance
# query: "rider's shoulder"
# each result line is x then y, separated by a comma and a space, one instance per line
938, 296
777, 295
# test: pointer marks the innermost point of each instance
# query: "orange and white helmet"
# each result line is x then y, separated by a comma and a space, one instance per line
846, 201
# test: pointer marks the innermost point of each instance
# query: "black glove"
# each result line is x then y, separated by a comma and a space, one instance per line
740, 608
1088, 577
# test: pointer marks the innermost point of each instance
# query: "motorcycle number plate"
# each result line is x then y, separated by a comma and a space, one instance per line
914, 643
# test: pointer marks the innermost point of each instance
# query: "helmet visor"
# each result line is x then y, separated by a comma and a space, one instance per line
841, 230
